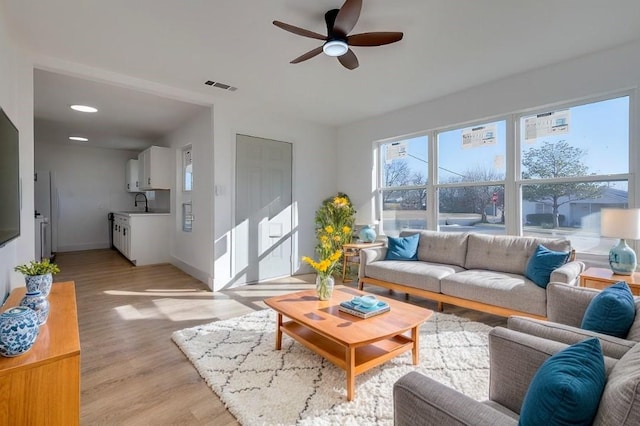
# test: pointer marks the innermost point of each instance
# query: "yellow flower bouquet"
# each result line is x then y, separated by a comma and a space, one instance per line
334, 225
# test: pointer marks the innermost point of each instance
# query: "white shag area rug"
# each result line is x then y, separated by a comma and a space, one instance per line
262, 386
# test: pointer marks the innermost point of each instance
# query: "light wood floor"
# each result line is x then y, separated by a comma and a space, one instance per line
132, 373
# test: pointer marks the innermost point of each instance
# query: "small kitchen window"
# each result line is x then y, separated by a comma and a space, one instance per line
187, 169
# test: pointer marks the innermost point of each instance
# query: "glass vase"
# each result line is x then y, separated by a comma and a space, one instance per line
324, 287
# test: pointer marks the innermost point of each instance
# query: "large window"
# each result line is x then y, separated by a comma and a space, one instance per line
574, 162
403, 184
471, 173
543, 173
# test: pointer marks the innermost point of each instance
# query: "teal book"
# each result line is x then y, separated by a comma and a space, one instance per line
362, 312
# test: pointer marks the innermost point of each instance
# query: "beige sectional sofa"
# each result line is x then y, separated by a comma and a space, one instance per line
475, 271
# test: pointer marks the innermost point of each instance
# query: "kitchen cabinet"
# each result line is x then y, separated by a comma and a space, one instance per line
143, 238
122, 234
132, 182
155, 168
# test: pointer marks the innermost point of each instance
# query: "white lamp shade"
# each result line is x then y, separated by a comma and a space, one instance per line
620, 223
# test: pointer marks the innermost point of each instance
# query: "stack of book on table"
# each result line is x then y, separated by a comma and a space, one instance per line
360, 311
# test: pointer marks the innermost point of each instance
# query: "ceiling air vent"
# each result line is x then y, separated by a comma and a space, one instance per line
220, 85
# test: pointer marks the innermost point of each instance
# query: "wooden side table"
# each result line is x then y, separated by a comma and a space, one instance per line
352, 250
600, 278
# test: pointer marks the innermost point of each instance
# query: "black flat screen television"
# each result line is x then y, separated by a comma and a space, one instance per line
9, 180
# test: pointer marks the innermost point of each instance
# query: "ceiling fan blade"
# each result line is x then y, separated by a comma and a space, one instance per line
374, 39
310, 54
349, 60
347, 16
299, 31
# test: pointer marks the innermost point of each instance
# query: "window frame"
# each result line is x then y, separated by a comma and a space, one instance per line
379, 191
185, 149
513, 181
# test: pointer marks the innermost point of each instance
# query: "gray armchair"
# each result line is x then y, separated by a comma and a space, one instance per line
566, 306
514, 359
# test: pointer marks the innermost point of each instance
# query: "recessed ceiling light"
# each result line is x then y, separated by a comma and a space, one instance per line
84, 108
78, 138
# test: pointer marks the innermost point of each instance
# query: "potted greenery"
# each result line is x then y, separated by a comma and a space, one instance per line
334, 226
38, 275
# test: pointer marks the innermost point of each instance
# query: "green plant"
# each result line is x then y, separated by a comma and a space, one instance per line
337, 212
42, 267
334, 227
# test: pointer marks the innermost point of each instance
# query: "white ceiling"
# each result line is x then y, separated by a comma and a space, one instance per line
126, 119
448, 46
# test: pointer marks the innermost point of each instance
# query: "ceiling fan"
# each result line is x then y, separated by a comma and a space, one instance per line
337, 41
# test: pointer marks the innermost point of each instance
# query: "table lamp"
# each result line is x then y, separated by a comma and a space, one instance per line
623, 224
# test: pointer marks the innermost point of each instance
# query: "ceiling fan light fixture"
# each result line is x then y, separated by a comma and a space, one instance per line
335, 48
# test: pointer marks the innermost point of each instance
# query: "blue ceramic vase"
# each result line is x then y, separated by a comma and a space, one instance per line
38, 303
18, 330
41, 283
367, 234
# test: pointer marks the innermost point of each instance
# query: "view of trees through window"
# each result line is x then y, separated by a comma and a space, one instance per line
471, 173
404, 184
568, 164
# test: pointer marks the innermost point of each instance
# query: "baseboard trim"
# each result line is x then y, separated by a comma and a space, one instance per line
81, 247
193, 271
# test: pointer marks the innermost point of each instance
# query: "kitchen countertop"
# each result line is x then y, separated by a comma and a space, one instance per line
139, 213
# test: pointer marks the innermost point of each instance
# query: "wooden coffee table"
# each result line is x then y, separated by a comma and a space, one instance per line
353, 344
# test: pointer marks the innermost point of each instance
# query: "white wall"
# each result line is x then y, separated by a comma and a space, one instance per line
605, 72
193, 251
315, 165
90, 183
315, 159
16, 98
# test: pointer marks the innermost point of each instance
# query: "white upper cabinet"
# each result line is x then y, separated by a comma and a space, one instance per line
132, 178
155, 168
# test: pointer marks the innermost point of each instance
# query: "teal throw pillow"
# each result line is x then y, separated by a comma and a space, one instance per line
567, 388
611, 312
542, 263
402, 248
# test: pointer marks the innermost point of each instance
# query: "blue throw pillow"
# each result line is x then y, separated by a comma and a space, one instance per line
611, 312
567, 388
403, 248
542, 263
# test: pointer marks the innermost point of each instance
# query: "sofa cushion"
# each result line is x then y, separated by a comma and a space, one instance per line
510, 291
402, 248
567, 387
449, 248
620, 402
421, 275
506, 253
542, 263
611, 312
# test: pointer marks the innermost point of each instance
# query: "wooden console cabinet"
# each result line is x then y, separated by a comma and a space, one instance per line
42, 386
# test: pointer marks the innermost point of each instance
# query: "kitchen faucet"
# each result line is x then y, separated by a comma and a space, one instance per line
146, 203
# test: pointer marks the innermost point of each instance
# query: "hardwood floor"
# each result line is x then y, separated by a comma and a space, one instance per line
132, 373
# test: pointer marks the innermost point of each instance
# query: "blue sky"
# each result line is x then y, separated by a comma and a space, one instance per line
601, 128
